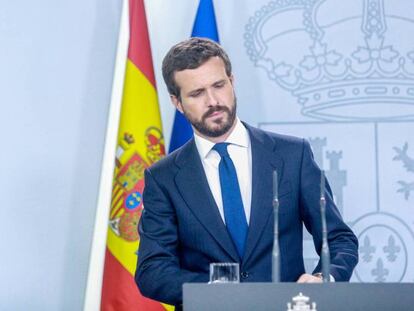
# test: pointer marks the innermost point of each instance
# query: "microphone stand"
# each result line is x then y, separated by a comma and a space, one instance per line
276, 250
325, 256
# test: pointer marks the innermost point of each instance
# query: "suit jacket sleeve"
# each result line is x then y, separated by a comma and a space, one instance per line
158, 273
342, 242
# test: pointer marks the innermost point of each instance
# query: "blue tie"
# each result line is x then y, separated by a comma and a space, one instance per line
232, 201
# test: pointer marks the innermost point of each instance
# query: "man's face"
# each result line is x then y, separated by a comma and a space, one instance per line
207, 98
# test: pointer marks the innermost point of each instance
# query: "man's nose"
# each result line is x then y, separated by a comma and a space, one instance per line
211, 98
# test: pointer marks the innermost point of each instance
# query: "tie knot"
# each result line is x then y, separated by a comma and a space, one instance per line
221, 148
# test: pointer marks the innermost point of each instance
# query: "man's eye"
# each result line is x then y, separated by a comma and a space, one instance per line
219, 85
195, 94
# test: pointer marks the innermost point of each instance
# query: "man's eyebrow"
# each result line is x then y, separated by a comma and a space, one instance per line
219, 82
201, 89
196, 91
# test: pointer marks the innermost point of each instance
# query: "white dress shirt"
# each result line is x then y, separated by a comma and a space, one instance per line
240, 152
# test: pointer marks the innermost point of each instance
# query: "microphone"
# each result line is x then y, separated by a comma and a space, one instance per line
276, 251
325, 256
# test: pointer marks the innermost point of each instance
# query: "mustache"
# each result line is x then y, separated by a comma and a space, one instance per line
215, 109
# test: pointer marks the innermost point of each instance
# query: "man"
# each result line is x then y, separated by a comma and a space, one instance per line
212, 202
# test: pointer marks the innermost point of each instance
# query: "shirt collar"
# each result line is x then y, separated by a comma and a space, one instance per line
239, 136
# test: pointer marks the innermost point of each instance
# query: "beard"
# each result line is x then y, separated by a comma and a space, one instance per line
221, 125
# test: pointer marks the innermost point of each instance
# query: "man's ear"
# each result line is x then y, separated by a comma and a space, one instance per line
176, 102
232, 79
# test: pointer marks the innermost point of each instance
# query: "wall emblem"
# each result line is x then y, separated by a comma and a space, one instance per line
351, 70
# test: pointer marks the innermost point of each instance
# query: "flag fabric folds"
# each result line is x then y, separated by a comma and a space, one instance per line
204, 26
205, 22
139, 144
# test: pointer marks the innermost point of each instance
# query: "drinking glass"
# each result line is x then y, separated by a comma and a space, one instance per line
224, 272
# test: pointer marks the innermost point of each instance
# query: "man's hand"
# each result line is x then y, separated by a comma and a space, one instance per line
308, 278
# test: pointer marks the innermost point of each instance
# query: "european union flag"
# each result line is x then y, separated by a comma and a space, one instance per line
204, 26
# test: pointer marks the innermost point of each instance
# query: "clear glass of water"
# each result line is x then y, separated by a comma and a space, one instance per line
224, 272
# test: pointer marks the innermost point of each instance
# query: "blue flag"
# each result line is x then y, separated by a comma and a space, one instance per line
204, 26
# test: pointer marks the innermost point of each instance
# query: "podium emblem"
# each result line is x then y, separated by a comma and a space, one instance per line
301, 303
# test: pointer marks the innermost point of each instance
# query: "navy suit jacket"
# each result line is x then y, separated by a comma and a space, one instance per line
182, 232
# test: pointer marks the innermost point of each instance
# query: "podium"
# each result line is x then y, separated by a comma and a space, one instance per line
320, 297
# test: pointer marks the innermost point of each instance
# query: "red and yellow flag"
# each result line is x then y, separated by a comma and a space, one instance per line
140, 143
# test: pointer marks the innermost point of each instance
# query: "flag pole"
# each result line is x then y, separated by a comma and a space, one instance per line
93, 290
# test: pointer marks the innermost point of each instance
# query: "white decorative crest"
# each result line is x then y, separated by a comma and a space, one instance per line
357, 79
301, 303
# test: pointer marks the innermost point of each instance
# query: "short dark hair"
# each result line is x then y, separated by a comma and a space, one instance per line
190, 54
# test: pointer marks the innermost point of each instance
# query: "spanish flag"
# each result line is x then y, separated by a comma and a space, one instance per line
139, 144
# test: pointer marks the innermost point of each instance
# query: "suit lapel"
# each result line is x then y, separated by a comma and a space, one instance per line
192, 184
264, 162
